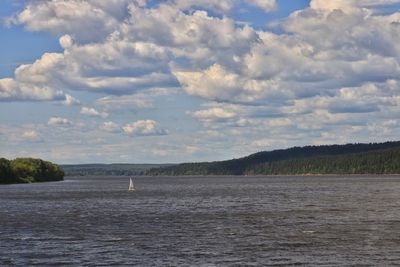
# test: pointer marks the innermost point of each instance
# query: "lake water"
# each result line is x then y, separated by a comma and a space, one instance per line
204, 221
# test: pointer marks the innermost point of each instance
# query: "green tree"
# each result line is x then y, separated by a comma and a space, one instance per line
29, 170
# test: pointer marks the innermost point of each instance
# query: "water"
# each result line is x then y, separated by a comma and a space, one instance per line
204, 221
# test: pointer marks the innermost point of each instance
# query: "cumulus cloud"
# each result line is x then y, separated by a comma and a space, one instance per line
71, 101
11, 90
201, 38
93, 112
214, 82
58, 121
367, 98
143, 128
114, 67
34, 82
66, 41
134, 56
318, 58
74, 17
328, 49
332, 65
218, 59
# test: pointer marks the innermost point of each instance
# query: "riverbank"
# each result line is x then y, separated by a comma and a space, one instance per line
29, 170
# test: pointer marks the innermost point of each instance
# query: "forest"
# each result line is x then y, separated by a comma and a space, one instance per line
373, 158
109, 169
29, 170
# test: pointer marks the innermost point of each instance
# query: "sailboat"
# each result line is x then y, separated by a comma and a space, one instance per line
131, 187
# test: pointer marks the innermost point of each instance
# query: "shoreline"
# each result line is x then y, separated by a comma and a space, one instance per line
35, 182
211, 175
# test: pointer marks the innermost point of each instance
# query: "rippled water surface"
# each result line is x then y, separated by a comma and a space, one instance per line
203, 221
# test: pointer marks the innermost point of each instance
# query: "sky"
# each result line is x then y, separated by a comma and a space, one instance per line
145, 81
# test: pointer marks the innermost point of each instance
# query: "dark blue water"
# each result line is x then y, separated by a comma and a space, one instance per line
209, 221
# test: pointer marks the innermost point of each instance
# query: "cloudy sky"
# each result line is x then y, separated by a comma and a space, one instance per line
144, 81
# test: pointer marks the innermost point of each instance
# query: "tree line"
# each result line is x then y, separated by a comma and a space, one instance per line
373, 162
29, 170
109, 169
373, 158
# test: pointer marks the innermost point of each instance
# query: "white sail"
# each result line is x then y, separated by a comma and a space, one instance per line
131, 187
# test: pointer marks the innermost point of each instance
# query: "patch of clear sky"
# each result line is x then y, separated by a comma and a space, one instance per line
259, 19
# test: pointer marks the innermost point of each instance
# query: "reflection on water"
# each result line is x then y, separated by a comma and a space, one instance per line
209, 221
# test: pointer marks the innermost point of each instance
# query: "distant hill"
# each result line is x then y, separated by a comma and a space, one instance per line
28, 170
109, 169
374, 158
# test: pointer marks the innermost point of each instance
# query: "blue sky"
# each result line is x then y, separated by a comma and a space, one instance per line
174, 81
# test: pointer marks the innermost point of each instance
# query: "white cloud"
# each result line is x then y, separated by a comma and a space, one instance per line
10, 90
332, 4
70, 100
317, 59
143, 128
138, 100
31, 136
124, 102
135, 56
110, 126
34, 82
41, 71
201, 38
58, 121
348, 5
224, 6
66, 41
266, 5
93, 112
75, 17
113, 67
222, 61
331, 67
214, 83
213, 114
